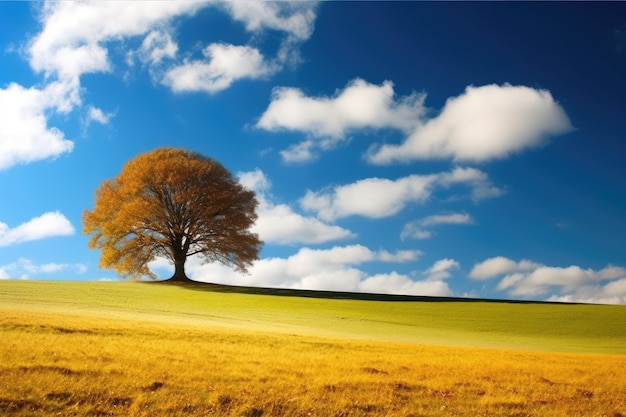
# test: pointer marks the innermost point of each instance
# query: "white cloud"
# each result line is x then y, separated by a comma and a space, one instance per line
394, 283
280, 224
441, 269
255, 180
320, 269
75, 39
24, 268
48, 268
308, 260
371, 197
492, 267
380, 197
47, 225
415, 229
541, 280
157, 46
71, 42
572, 283
45, 268
399, 256
300, 152
482, 188
295, 18
69, 45
484, 123
161, 264
74, 36
612, 293
360, 105
433, 285
225, 64
24, 134
412, 230
95, 114
452, 218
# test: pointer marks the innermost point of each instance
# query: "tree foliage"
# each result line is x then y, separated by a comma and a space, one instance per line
172, 203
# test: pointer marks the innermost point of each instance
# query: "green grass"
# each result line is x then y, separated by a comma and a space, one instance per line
436, 321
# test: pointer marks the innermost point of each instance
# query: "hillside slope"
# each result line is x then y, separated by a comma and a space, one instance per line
423, 320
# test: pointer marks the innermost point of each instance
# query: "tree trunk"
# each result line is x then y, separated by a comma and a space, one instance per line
179, 270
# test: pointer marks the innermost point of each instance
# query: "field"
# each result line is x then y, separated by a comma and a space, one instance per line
137, 349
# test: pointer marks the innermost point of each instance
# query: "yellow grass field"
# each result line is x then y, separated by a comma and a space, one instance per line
90, 359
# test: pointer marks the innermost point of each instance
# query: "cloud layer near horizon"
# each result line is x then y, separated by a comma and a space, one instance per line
526, 278
333, 269
25, 268
336, 269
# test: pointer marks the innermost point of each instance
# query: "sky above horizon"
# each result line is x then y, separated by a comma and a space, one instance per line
425, 148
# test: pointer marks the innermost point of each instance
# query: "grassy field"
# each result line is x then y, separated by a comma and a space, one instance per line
133, 349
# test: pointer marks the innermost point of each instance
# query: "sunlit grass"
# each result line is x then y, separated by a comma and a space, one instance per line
146, 350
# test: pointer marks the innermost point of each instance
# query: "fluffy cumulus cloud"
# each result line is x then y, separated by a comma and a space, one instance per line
572, 283
359, 105
74, 36
295, 19
76, 39
394, 283
431, 283
419, 229
334, 269
370, 197
280, 224
492, 267
47, 225
224, 64
70, 44
24, 132
482, 124
381, 197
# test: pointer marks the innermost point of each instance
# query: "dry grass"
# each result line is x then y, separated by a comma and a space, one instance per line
73, 365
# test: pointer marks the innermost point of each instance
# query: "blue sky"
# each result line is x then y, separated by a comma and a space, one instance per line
463, 149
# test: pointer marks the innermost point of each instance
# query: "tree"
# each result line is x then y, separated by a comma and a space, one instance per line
172, 203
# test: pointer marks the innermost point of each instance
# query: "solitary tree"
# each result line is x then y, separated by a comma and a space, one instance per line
172, 203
